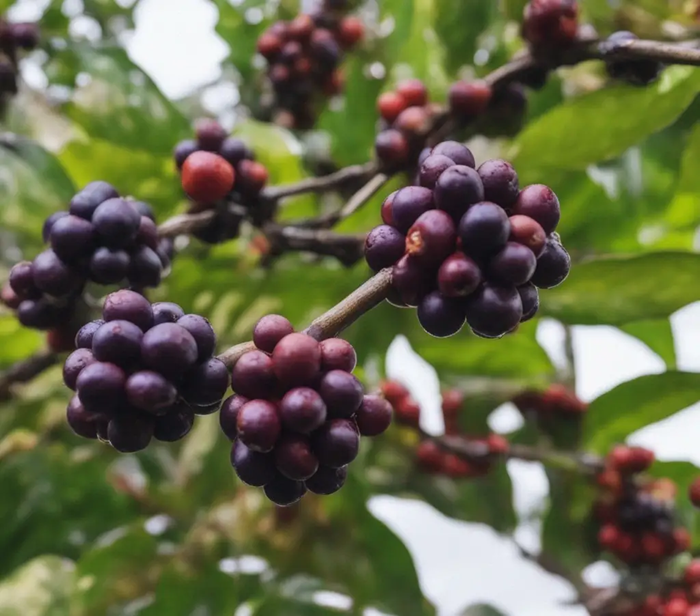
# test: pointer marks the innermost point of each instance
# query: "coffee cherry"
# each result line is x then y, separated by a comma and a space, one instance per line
269, 330
116, 222
413, 122
635, 72
183, 150
145, 268
41, 314
72, 238
513, 265
441, 316
408, 204
407, 412
128, 306
53, 276
233, 151
392, 148
550, 23
432, 238
252, 467
130, 432
530, 299
483, 230
432, 168
109, 266
500, 182
374, 416
457, 189
458, 276
387, 209
210, 134
258, 425
204, 385
101, 387
284, 492
207, 177
553, 265
294, 458
327, 480
694, 492
202, 332
302, 410
608, 536
468, 99
118, 342
253, 375
336, 443
175, 425
526, 231
337, 354
541, 204
228, 416
390, 105
296, 359
74, 365
456, 151
80, 421
25, 35
351, 31
168, 348
341, 392
493, 311
269, 45
150, 391
9, 298
677, 606
411, 280
86, 201
430, 457
148, 232
22, 280
413, 91
384, 246
251, 177
166, 312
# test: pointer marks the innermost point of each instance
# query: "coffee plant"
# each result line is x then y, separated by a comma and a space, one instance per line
206, 305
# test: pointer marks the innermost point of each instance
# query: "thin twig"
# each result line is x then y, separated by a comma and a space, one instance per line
347, 248
184, 224
26, 370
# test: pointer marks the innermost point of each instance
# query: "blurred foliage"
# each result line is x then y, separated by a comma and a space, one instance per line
170, 531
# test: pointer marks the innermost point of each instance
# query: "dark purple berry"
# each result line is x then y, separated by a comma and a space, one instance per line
528, 232
210, 134
302, 410
49, 223
258, 425
83, 339
116, 222
327, 480
530, 299
514, 265
458, 276
228, 416
341, 392
169, 349
72, 238
392, 149
337, 354
494, 311
384, 246
175, 425
252, 467
101, 387
253, 376
432, 238
144, 210
41, 314
53, 276
25, 35
294, 458
374, 416
166, 312
128, 306
74, 365
269, 330
205, 384
233, 151
118, 342
458, 152
432, 168
148, 232
145, 268
130, 432
109, 266
284, 492
441, 316
484, 230
183, 150
500, 183
553, 265
409, 203
541, 204
151, 392
202, 332
336, 443
457, 189
411, 280
86, 201
296, 359
80, 421
22, 280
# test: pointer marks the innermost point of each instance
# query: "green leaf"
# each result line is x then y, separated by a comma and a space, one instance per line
39, 588
684, 210
657, 335
458, 25
617, 290
16, 342
603, 124
616, 414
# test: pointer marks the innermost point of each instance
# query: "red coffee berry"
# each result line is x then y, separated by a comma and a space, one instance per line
681, 540
207, 177
550, 23
528, 232
302, 410
301, 27
351, 31
413, 92
458, 276
392, 148
394, 391
678, 606
456, 467
269, 45
498, 445
500, 180
390, 105
452, 400
337, 354
251, 177
430, 456
608, 536
469, 99
694, 492
691, 576
258, 425
269, 330
253, 376
297, 359
432, 238
413, 122
407, 411
374, 415
541, 204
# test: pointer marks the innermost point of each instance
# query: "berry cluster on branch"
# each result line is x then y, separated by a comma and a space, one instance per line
14, 37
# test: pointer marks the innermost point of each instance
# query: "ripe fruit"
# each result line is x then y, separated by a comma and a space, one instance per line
500, 182
337, 354
550, 24
541, 204
431, 239
392, 148
513, 265
296, 359
408, 204
468, 100
210, 134
337, 442
441, 316
390, 105
294, 457
327, 480
526, 231
553, 265
694, 492
493, 311
258, 425
373, 416
269, 330
207, 177
484, 230
458, 276
457, 152
384, 246
432, 167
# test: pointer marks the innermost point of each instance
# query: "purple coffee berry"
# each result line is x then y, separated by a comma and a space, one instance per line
341, 392
553, 265
72, 238
530, 299
252, 467
144, 210
228, 416
175, 425
284, 492
89, 198
205, 385
513, 265
145, 268
210, 134
302, 410
74, 365
337, 354
54, 277
409, 203
109, 266
118, 342
128, 306
494, 311
83, 339
130, 432
233, 151
169, 349
183, 150
294, 458
327, 480
387, 209
458, 276
22, 280
41, 314
484, 230
258, 425
374, 415
432, 238
116, 222
411, 280
148, 233
456, 151
336, 443
80, 421
500, 181
432, 168
392, 149
384, 246
151, 392
441, 316
49, 223
100, 387
457, 189
253, 376
202, 332
541, 204
166, 312
269, 330
297, 359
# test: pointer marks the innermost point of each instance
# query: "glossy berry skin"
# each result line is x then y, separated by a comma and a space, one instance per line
411, 280
100, 387
468, 99
392, 149
183, 150
129, 433
458, 276
336, 443
457, 189
128, 306
21, 280
228, 415
210, 134
384, 246
550, 23
252, 467
541, 204
297, 359
253, 375
207, 177
327, 480
413, 91
175, 425
116, 223
168, 349
269, 330
83, 339
337, 354
457, 152
440, 316
150, 392
53, 276
500, 180
553, 265
284, 492
374, 415
258, 425
80, 421
408, 204
483, 230
90, 197
118, 342
294, 458
72, 237
166, 312
341, 392
432, 238
204, 385
302, 410
530, 299
528, 232
513, 265
431, 169
74, 364
387, 211
49, 223
251, 177
413, 122
109, 266
390, 105
493, 311
203, 333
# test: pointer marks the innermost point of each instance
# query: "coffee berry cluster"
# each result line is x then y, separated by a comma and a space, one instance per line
143, 371
298, 413
550, 25
102, 238
303, 58
217, 170
468, 244
680, 599
13, 38
635, 514
557, 401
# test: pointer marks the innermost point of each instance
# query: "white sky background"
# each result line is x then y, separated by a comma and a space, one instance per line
458, 564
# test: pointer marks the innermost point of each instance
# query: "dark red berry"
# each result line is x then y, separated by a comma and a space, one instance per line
327, 480
202, 332
72, 238
148, 232
336, 443
694, 492
413, 122
150, 391
550, 23
210, 134
251, 177
341, 392
269, 330
390, 105
530, 298
392, 149
294, 458
169, 349
528, 232
500, 182
457, 189
513, 265
86, 201
42, 314
432, 238
207, 177
483, 230
183, 150
116, 223
408, 204
458, 276
53, 276
128, 306
337, 354
258, 425
297, 359
204, 386
166, 312
493, 311
130, 432
233, 151
384, 246
411, 280
175, 425
252, 467
432, 168
469, 99
9, 298
387, 209
374, 415
80, 421
350, 31
74, 364
83, 339
553, 265
284, 492
301, 27
269, 45
118, 342
541, 204
253, 375
101, 387
302, 410
228, 416
456, 151
413, 91
441, 316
